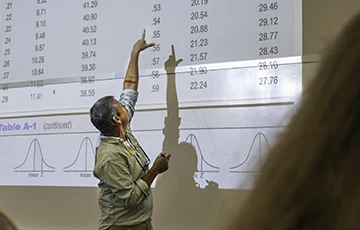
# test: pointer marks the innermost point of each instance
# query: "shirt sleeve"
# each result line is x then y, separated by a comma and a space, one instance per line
116, 175
129, 97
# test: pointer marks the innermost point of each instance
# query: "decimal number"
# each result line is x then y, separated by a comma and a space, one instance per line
268, 65
40, 24
38, 60
88, 67
198, 56
272, 80
199, 2
199, 29
37, 84
41, 35
268, 36
89, 29
156, 21
39, 47
155, 74
155, 61
156, 8
89, 42
156, 48
90, 4
36, 96
156, 34
155, 89
264, 7
197, 85
273, 21
40, 12
37, 72
265, 51
87, 93
198, 15
87, 80
199, 43
88, 54
90, 17
202, 70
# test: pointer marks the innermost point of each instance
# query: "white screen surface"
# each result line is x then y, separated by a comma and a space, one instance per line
240, 75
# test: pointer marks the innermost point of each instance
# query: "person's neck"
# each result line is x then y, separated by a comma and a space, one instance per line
121, 134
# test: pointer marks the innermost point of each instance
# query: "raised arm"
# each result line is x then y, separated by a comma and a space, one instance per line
131, 80
171, 93
172, 120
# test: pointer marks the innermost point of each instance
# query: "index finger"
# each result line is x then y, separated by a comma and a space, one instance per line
172, 50
143, 34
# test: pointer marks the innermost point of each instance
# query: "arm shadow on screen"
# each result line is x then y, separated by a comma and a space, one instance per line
179, 201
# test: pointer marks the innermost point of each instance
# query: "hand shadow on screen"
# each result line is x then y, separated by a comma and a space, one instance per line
179, 203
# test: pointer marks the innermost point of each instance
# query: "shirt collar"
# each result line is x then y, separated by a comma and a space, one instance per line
111, 139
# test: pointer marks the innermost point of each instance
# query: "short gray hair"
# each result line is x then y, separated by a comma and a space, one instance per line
101, 115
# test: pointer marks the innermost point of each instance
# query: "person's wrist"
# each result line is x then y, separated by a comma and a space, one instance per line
135, 53
170, 70
154, 171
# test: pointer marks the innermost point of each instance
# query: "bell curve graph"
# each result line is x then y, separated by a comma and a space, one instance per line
34, 161
192, 139
84, 161
257, 142
252, 154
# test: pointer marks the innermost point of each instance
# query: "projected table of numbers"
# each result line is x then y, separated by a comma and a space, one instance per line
60, 56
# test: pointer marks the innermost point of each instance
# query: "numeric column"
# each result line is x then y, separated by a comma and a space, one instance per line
198, 45
38, 59
268, 35
88, 56
155, 50
7, 19
268, 24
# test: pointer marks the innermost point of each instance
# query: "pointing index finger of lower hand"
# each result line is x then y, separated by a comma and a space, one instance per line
173, 51
143, 34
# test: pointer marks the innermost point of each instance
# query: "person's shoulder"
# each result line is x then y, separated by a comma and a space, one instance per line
106, 152
111, 152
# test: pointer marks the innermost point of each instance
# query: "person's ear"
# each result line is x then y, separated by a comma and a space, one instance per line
117, 119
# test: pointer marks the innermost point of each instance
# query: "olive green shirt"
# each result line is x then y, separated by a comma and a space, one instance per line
125, 199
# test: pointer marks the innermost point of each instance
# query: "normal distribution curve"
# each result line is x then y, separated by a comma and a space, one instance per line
197, 147
34, 148
191, 138
85, 146
259, 136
